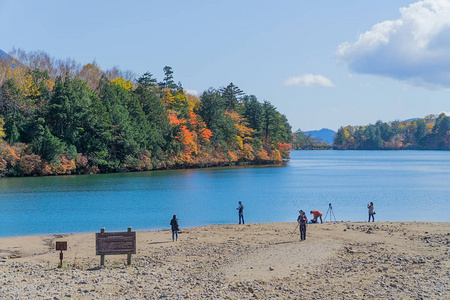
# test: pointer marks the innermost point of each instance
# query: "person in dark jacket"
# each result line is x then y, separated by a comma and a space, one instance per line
240, 208
175, 228
302, 220
371, 208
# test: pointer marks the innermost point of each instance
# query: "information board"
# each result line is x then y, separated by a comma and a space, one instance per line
61, 246
115, 243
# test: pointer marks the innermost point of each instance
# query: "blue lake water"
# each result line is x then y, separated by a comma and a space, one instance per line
404, 186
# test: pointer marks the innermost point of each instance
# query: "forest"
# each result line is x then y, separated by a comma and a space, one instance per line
429, 133
59, 117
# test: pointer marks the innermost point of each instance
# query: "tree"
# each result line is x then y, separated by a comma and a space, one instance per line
386, 132
168, 79
420, 133
232, 95
372, 139
51, 147
91, 73
12, 134
253, 112
149, 98
212, 111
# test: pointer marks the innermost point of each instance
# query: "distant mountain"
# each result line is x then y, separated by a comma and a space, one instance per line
412, 119
324, 134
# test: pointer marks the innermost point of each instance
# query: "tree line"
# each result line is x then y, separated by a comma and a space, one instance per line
58, 117
303, 141
429, 133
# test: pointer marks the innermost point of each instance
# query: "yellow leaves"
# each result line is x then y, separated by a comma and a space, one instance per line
346, 134
244, 133
173, 101
2, 130
247, 152
126, 84
168, 99
192, 101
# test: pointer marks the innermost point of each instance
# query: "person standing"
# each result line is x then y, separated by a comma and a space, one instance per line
302, 220
240, 208
175, 228
316, 214
371, 208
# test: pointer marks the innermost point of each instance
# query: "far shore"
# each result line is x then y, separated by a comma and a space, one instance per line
350, 260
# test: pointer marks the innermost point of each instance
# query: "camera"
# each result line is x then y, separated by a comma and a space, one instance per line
329, 205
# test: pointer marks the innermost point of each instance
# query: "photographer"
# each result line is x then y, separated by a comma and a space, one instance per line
302, 220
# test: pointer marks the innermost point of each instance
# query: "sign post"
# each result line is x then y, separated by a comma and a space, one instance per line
62, 246
113, 243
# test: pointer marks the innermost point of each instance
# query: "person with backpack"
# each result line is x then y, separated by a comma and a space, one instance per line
302, 220
175, 228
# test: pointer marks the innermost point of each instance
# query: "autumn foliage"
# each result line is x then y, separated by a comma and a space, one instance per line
431, 133
58, 117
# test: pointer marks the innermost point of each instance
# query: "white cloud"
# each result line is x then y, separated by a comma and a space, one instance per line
309, 80
193, 92
414, 48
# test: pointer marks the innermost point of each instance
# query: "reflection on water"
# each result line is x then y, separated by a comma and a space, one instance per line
404, 185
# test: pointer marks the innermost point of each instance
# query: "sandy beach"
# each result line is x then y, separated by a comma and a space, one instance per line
344, 260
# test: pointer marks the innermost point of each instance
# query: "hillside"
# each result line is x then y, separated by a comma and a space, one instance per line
429, 133
324, 134
58, 118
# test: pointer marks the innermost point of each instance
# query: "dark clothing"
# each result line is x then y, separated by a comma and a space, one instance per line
241, 213
175, 228
302, 220
371, 211
174, 224
303, 232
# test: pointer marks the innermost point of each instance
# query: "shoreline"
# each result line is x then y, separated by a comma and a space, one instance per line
350, 260
198, 226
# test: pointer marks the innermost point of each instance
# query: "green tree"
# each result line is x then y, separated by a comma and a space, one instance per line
420, 133
11, 132
232, 95
168, 79
372, 139
253, 112
212, 111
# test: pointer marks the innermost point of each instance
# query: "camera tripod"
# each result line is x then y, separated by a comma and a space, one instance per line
330, 211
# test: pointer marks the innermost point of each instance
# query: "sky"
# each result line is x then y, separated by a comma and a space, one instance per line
323, 63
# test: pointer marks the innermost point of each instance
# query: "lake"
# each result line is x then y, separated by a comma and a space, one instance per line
404, 186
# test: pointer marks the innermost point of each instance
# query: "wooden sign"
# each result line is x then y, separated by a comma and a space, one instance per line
61, 246
115, 243
112, 243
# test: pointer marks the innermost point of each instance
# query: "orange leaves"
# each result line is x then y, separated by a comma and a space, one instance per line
205, 134
173, 119
284, 149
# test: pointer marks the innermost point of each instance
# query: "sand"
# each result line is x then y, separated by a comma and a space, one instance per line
344, 260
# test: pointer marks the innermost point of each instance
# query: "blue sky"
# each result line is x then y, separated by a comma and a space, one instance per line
322, 63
